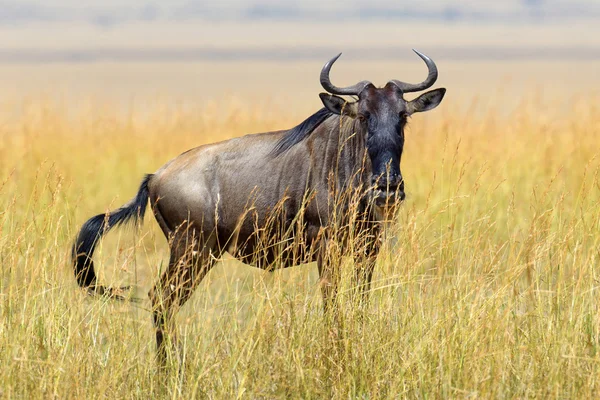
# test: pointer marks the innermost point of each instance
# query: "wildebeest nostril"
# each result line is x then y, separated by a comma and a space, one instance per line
391, 184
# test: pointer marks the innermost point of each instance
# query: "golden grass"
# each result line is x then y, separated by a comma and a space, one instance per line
487, 285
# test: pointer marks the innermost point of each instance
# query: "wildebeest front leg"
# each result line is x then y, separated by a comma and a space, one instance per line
364, 275
365, 262
328, 277
187, 267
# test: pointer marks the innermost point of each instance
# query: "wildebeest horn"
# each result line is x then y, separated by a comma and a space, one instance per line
427, 83
328, 86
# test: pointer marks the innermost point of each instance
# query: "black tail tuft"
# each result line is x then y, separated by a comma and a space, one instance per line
92, 231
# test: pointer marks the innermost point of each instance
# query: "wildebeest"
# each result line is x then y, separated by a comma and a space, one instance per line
254, 195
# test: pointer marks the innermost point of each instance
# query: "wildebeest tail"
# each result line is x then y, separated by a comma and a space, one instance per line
94, 229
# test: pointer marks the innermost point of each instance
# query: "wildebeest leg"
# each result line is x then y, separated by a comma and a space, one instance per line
189, 263
364, 267
328, 277
363, 276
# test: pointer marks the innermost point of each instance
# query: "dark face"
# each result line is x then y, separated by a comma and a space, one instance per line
382, 114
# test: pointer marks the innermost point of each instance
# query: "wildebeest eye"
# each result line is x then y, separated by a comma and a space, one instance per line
361, 118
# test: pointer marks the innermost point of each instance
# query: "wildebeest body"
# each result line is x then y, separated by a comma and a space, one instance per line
275, 199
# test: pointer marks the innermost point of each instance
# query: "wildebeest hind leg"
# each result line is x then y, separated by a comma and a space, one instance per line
191, 259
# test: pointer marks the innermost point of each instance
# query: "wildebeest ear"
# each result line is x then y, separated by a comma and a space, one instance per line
337, 105
427, 101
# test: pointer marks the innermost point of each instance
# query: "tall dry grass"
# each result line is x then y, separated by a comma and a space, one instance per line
487, 285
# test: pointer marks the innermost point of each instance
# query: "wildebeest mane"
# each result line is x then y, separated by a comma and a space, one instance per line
301, 131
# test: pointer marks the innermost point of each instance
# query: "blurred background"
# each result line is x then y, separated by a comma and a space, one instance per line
271, 52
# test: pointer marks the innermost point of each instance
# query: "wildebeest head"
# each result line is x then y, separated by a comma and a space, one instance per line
382, 115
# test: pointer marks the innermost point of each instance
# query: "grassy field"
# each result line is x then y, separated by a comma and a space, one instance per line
487, 285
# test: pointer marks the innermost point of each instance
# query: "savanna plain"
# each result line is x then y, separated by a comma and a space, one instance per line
487, 286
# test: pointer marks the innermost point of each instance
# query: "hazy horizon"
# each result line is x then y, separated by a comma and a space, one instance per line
219, 49
112, 12
185, 30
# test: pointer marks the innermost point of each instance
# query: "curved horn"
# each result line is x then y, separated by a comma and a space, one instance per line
427, 83
328, 86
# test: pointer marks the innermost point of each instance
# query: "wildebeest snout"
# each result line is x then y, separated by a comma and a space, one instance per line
388, 184
388, 190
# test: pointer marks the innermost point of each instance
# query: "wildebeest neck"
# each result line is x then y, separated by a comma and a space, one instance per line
337, 149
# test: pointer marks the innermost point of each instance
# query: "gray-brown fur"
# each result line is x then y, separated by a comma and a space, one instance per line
272, 199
